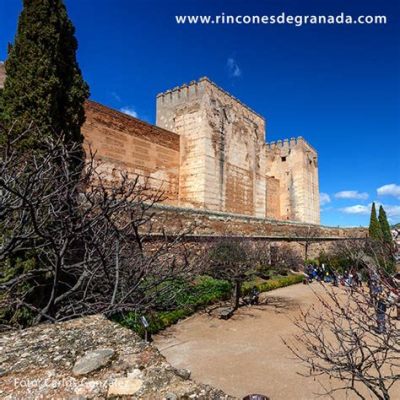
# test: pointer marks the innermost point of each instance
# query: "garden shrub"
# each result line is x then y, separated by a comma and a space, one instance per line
204, 290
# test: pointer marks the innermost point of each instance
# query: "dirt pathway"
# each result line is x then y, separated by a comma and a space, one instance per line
245, 354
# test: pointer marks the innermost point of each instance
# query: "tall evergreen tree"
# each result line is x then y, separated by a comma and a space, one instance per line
375, 231
385, 227
44, 84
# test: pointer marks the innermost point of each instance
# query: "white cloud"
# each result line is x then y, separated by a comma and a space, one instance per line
324, 198
129, 110
357, 209
233, 68
351, 194
392, 211
116, 96
389, 190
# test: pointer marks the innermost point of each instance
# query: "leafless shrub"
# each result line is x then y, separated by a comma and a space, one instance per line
89, 241
232, 260
349, 335
284, 258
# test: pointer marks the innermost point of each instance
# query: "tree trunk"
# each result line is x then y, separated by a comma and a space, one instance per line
306, 252
237, 294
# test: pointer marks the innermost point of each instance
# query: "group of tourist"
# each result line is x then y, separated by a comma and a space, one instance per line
321, 273
384, 291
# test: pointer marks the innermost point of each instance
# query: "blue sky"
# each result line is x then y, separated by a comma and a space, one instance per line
336, 85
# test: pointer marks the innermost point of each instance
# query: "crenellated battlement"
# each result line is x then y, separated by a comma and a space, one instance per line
193, 90
184, 92
289, 143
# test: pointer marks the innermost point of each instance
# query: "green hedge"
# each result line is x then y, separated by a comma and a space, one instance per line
271, 284
204, 291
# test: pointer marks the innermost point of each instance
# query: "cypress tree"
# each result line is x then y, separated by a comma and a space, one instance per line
44, 84
385, 227
375, 231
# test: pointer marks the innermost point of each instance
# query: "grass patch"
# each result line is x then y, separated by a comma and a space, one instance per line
202, 292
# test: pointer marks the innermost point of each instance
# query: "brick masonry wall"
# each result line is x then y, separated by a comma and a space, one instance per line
125, 143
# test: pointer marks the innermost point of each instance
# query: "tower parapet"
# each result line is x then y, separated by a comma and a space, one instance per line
289, 143
195, 88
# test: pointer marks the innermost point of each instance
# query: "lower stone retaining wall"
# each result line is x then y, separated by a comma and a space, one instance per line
205, 227
205, 223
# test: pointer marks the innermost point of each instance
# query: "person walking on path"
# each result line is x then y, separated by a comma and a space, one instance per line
396, 293
381, 314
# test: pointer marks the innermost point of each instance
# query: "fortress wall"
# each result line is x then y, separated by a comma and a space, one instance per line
203, 228
222, 148
220, 223
125, 143
210, 155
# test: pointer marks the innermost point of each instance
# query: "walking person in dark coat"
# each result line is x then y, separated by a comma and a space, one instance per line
381, 308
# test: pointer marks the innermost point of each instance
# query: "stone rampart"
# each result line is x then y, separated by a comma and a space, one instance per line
125, 143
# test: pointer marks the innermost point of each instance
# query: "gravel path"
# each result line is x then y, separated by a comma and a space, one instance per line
245, 354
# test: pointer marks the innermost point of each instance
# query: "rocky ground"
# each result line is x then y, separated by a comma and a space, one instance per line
90, 358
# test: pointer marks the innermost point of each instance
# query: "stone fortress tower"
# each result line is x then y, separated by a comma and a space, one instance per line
292, 166
222, 154
225, 164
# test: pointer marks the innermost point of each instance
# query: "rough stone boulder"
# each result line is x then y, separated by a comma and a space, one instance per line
90, 358
92, 361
